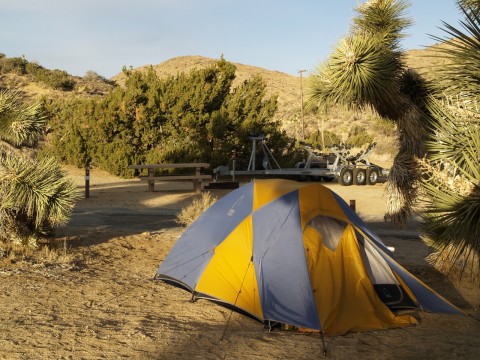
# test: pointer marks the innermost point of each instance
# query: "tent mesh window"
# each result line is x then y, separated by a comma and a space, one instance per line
330, 229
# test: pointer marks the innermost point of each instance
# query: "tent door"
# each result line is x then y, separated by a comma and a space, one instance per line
394, 296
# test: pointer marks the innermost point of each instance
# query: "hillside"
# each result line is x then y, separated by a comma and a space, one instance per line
287, 88
424, 60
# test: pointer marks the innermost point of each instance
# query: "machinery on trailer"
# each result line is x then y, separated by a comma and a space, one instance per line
338, 164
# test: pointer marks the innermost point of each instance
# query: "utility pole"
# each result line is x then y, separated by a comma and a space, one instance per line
301, 71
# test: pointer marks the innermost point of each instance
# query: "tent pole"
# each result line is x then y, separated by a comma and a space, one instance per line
226, 325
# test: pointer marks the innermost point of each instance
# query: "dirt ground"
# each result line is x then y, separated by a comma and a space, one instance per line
105, 304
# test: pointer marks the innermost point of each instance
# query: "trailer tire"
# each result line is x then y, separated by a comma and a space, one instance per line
359, 176
302, 177
346, 177
372, 176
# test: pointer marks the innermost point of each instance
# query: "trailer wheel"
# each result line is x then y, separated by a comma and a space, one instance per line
372, 176
302, 177
346, 177
359, 176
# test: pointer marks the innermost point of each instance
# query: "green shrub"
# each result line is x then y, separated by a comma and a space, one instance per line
194, 117
329, 139
56, 79
358, 137
16, 65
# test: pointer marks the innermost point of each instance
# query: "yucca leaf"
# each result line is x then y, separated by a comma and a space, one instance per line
20, 122
37, 192
383, 17
462, 49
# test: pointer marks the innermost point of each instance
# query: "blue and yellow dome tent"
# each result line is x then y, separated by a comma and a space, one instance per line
296, 253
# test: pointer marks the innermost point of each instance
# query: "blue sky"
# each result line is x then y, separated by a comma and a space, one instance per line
105, 35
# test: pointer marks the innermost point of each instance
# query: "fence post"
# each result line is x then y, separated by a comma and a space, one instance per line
353, 205
87, 181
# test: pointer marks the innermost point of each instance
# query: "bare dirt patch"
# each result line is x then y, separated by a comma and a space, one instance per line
105, 304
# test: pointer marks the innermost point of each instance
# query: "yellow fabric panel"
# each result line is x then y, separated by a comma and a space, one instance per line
316, 199
230, 274
268, 190
346, 299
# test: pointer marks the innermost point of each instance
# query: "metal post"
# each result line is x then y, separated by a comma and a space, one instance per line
251, 165
87, 181
353, 205
301, 102
151, 182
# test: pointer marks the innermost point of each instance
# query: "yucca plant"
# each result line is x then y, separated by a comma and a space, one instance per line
452, 187
359, 73
367, 70
36, 194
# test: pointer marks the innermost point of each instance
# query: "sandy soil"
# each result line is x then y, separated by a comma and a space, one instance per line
106, 305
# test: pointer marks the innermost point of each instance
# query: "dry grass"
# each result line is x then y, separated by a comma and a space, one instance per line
52, 254
192, 211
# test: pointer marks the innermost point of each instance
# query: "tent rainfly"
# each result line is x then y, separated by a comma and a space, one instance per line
295, 253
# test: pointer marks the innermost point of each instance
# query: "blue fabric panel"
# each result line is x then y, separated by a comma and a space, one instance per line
429, 300
356, 221
193, 250
280, 264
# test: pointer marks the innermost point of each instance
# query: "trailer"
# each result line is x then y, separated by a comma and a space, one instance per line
338, 164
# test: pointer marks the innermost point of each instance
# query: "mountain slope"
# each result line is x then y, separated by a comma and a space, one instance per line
287, 88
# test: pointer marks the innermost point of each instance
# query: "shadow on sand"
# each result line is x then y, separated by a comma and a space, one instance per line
127, 208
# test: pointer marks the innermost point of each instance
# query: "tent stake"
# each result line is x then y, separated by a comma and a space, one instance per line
194, 297
323, 343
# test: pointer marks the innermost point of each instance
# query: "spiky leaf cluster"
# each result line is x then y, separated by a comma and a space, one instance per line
36, 191
453, 189
469, 5
383, 19
360, 72
462, 48
20, 122
366, 67
36, 196
452, 181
